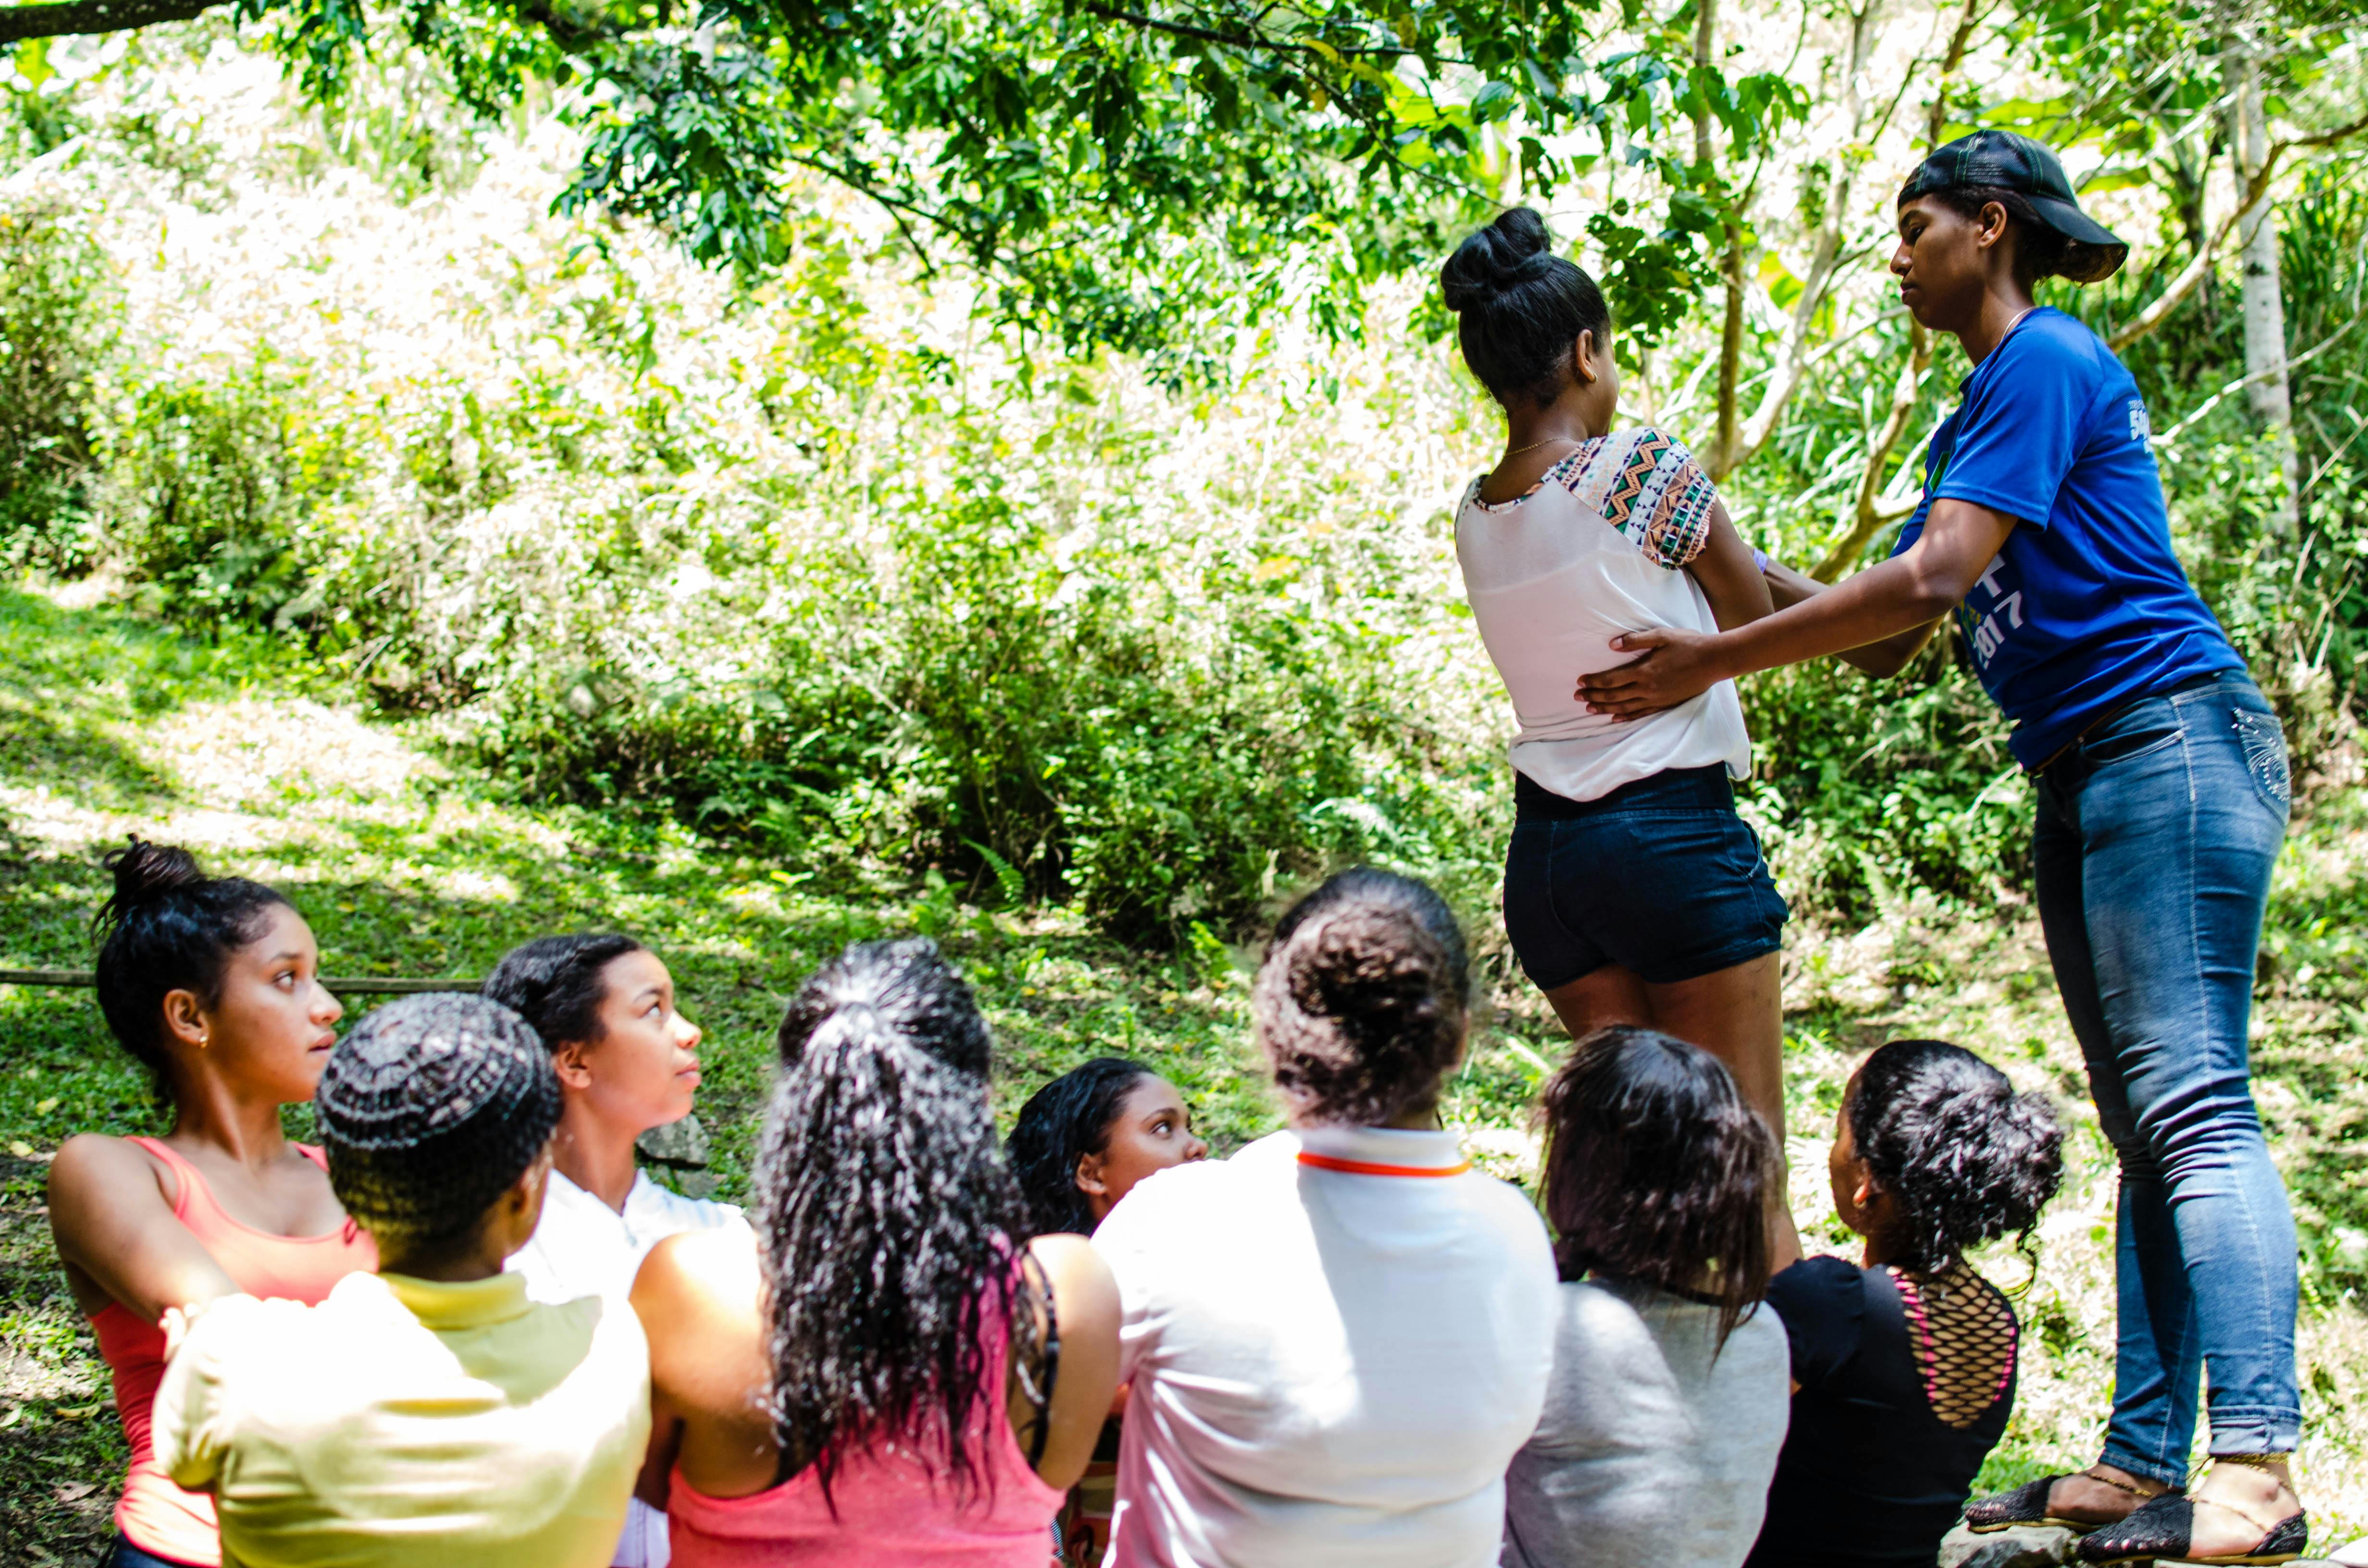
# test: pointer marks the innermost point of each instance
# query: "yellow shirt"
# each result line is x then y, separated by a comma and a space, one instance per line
408, 1422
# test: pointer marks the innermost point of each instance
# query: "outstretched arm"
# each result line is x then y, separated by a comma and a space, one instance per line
1789, 587
117, 1236
1905, 594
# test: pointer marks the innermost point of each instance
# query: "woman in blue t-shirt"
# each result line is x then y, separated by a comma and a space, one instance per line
2160, 774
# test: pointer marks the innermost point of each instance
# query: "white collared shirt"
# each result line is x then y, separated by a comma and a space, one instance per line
583, 1247
1329, 1366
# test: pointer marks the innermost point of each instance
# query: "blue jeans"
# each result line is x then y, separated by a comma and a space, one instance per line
2156, 836
123, 1554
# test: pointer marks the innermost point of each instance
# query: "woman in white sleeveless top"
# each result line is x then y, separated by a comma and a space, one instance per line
1634, 893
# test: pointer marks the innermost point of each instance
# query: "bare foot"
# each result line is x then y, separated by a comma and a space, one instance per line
2101, 1495
2253, 1499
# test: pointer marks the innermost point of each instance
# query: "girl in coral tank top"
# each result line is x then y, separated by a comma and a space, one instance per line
884, 1369
210, 983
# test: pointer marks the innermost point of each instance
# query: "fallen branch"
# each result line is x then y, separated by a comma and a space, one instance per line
366, 985
68, 17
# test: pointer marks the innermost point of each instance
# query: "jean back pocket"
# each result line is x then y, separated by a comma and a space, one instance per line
2265, 755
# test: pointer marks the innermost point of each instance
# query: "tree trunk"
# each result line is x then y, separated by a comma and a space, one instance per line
1825, 260
1730, 340
2262, 298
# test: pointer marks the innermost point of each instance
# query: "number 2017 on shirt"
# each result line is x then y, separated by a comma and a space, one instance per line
1987, 632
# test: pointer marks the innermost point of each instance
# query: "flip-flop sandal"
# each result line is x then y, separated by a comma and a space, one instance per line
2164, 1528
2027, 1506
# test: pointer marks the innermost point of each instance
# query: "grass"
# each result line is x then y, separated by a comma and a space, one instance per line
409, 865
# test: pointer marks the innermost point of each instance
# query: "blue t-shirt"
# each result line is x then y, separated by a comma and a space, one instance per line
2086, 608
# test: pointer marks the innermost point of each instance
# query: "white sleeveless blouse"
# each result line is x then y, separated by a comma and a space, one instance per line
1598, 547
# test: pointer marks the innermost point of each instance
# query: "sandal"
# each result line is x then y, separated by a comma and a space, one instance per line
2027, 1506
2164, 1528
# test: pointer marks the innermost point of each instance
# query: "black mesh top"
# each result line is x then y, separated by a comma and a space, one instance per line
1906, 1386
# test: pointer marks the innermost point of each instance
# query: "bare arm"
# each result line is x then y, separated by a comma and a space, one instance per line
1905, 594
697, 1295
117, 1235
1085, 1298
1737, 592
1886, 659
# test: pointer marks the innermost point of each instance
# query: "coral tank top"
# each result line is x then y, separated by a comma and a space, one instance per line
155, 1515
891, 1507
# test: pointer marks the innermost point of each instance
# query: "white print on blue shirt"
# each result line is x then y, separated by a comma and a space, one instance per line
2141, 424
1987, 630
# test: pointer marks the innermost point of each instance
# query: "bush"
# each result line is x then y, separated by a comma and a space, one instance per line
811, 567
57, 314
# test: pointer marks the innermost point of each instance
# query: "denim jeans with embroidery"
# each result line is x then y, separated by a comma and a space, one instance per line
2156, 836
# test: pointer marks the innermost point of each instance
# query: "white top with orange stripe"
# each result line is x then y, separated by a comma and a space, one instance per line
1336, 1340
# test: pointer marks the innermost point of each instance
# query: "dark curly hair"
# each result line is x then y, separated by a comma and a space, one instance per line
1656, 1170
1062, 1123
2040, 250
1363, 997
1964, 1157
889, 1224
1519, 307
430, 1109
556, 983
168, 926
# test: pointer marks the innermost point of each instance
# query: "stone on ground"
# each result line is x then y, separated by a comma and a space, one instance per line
2023, 1546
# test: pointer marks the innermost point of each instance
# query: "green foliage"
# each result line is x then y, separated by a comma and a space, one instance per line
222, 491
56, 323
1150, 183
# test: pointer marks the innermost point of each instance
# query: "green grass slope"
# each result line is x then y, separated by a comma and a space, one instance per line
408, 866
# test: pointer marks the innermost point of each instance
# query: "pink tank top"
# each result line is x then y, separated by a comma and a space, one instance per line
155, 1515
892, 1508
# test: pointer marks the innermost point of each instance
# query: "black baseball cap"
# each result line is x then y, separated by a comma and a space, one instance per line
2002, 159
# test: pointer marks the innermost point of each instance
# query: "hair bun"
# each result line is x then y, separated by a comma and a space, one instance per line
1366, 968
1493, 259
144, 872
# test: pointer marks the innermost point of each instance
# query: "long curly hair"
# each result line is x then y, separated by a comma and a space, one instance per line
1656, 1170
1362, 1001
1964, 1157
1062, 1122
889, 1225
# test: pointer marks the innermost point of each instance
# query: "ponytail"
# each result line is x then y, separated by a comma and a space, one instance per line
888, 1224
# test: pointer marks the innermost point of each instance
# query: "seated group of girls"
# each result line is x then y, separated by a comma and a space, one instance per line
467, 1330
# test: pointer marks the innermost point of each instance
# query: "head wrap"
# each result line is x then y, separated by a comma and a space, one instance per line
430, 1109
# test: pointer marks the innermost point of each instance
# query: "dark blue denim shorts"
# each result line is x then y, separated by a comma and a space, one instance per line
1660, 876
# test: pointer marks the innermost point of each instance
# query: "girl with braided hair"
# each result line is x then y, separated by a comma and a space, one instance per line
212, 985
432, 1412
1904, 1365
886, 1369
1337, 1339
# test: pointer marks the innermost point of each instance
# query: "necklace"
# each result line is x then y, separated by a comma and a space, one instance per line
1533, 446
